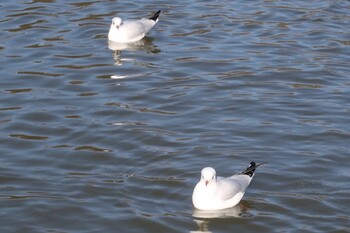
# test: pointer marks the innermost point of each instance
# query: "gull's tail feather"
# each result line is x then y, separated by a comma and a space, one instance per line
155, 16
251, 168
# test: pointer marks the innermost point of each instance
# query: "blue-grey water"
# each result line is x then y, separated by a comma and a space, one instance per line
93, 140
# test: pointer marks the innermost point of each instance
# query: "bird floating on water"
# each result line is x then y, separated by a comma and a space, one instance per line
216, 193
131, 30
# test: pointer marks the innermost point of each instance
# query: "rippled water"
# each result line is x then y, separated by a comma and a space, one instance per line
97, 141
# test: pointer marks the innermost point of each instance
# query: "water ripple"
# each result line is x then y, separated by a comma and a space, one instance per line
105, 137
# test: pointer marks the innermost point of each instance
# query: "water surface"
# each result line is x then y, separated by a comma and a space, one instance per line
98, 141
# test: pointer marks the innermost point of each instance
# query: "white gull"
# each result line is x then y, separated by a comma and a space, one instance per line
131, 30
216, 193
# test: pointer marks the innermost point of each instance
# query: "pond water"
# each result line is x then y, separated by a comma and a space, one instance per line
94, 140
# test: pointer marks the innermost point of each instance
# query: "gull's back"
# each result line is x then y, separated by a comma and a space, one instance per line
232, 185
132, 31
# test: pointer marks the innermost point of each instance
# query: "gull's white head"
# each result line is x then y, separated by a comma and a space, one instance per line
208, 175
117, 22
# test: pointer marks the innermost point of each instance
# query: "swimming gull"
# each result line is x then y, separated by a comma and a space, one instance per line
216, 193
131, 30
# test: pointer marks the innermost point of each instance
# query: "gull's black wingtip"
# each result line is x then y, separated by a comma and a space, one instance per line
155, 16
251, 168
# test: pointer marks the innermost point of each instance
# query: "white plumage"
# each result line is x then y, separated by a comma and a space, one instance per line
216, 193
131, 31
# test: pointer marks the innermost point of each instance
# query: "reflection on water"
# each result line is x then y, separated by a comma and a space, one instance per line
235, 211
146, 44
117, 58
203, 217
203, 226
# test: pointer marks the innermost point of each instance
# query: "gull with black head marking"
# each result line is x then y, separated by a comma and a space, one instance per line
129, 31
216, 193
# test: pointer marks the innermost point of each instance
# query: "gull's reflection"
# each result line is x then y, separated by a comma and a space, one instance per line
203, 217
203, 226
146, 44
234, 212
